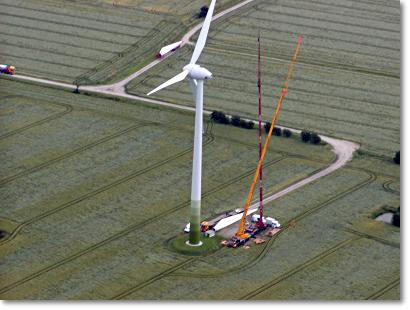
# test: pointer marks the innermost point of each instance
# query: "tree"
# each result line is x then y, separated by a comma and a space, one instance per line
250, 125
267, 127
287, 133
277, 131
314, 138
236, 121
243, 123
397, 158
305, 136
219, 117
202, 13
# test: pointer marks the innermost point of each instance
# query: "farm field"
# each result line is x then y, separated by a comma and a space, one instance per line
94, 188
346, 82
90, 42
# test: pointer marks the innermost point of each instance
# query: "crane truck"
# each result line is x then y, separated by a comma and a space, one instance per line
243, 233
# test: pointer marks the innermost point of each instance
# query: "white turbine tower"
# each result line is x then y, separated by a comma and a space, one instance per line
196, 76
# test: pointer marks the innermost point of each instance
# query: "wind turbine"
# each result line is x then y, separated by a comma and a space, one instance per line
196, 76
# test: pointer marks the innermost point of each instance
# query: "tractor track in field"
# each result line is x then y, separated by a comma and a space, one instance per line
60, 23
384, 290
68, 109
153, 279
343, 150
32, 9
372, 177
339, 14
128, 230
300, 267
387, 187
69, 154
62, 33
102, 189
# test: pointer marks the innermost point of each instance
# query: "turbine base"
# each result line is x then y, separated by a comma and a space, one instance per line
195, 244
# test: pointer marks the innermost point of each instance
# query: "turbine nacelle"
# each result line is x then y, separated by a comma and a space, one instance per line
196, 72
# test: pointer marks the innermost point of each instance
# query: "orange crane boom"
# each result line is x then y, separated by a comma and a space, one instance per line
241, 230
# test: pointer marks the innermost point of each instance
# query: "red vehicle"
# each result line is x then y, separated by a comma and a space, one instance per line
6, 69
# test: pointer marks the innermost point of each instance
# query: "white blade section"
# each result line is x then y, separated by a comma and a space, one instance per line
230, 220
175, 79
200, 44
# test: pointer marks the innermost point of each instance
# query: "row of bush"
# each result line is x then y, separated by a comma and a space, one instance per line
308, 136
278, 131
221, 118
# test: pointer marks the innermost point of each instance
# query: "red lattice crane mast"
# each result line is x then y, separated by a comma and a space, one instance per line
241, 230
260, 223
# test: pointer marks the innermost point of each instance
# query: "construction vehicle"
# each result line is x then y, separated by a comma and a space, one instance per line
243, 235
204, 226
6, 69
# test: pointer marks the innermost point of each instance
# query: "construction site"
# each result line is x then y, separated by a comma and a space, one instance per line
200, 150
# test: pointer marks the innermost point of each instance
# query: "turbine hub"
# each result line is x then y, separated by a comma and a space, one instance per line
197, 72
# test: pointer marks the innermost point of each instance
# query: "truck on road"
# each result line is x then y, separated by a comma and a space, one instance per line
6, 69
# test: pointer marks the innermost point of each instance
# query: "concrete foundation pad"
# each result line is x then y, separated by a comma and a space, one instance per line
190, 244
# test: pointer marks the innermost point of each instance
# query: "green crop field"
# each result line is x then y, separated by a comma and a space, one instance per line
86, 42
90, 42
346, 82
94, 188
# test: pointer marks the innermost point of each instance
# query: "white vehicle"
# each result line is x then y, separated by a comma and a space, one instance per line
168, 49
255, 218
187, 227
270, 221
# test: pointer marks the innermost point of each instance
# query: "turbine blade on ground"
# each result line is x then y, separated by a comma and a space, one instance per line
175, 79
203, 34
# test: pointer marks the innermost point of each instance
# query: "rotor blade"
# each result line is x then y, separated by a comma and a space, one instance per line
200, 43
175, 79
193, 84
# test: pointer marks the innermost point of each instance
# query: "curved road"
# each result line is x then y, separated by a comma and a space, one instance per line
343, 149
